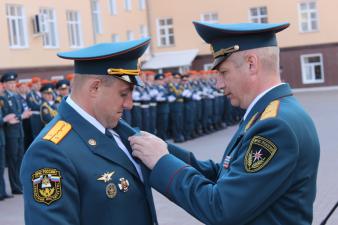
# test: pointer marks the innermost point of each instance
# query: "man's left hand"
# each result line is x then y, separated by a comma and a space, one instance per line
148, 148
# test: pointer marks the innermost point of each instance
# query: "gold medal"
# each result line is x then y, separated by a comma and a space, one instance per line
111, 190
124, 184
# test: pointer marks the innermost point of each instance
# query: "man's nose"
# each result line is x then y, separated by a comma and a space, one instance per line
220, 82
128, 103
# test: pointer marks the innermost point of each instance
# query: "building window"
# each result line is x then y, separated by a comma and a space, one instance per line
115, 38
130, 35
112, 7
258, 15
165, 32
308, 17
96, 14
74, 29
144, 31
208, 66
127, 5
142, 4
48, 26
17, 30
210, 17
312, 68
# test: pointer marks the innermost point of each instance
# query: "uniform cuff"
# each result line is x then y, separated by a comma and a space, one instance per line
164, 173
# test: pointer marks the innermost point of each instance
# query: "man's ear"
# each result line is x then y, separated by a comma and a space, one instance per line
253, 63
94, 85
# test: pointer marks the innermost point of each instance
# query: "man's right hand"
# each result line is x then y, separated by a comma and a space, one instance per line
11, 118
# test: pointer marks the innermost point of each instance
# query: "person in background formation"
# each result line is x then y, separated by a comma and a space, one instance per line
22, 91
269, 169
34, 101
10, 118
82, 157
48, 109
63, 89
14, 134
176, 89
162, 117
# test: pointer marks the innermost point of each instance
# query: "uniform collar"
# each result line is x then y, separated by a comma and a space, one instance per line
272, 94
85, 115
257, 99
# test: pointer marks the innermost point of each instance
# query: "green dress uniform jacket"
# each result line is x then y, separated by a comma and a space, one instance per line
73, 174
267, 175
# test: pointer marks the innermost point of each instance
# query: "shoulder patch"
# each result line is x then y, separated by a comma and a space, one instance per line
250, 123
47, 186
58, 132
259, 154
271, 110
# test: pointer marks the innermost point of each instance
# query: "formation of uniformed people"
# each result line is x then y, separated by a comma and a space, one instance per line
25, 108
181, 107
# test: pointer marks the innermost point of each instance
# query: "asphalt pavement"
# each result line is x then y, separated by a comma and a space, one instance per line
323, 108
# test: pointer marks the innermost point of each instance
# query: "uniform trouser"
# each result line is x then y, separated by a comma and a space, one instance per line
162, 120
14, 153
228, 112
136, 117
206, 113
152, 119
36, 125
177, 120
188, 124
145, 118
2, 171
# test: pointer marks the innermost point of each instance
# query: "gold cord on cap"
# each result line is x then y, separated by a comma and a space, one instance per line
113, 71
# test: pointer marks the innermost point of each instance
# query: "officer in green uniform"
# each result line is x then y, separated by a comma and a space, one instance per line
34, 101
79, 170
14, 133
48, 109
268, 172
62, 88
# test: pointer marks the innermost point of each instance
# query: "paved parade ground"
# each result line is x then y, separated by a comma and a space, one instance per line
322, 106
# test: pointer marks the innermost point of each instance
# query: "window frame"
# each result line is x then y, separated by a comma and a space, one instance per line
142, 5
130, 35
308, 18
128, 5
305, 80
112, 7
77, 23
210, 14
259, 16
22, 37
115, 38
48, 32
167, 36
96, 14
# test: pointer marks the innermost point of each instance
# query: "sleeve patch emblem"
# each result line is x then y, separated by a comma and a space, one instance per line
47, 185
259, 154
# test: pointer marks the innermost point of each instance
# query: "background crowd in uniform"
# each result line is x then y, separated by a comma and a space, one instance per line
170, 105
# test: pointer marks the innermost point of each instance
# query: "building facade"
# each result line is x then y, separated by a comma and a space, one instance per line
36, 30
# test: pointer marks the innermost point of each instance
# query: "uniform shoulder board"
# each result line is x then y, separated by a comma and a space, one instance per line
271, 110
58, 131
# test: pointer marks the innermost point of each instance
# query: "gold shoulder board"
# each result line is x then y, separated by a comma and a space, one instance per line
271, 110
58, 132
